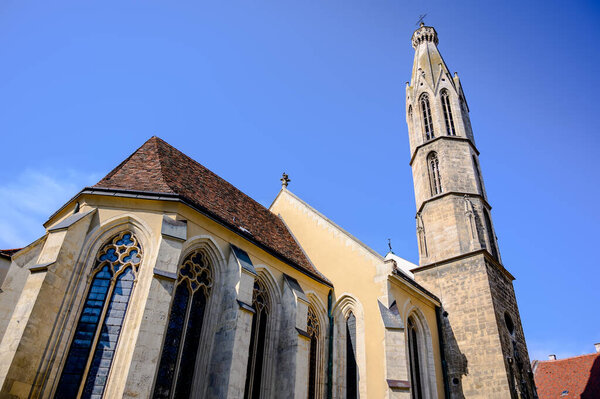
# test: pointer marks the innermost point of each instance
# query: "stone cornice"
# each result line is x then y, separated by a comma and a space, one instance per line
483, 252
457, 194
455, 138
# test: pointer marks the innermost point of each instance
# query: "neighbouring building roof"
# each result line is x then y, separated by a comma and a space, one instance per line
157, 167
573, 377
7, 253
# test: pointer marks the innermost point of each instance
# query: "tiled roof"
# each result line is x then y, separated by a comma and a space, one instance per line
157, 167
573, 377
9, 252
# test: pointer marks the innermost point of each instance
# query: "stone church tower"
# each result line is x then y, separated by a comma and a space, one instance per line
485, 351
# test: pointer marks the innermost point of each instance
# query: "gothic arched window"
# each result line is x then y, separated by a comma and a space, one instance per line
491, 235
450, 131
416, 384
182, 339
427, 119
351, 366
313, 329
433, 165
261, 304
92, 350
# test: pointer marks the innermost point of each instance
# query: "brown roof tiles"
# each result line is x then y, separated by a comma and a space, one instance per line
157, 167
573, 377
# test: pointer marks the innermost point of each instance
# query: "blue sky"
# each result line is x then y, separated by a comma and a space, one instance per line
316, 88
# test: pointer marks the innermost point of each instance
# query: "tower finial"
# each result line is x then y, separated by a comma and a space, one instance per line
424, 34
284, 180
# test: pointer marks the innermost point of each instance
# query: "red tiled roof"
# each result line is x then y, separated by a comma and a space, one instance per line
9, 252
574, 377
158, 167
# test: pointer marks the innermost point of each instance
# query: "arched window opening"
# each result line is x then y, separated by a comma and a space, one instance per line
427, 119
93, 347
450, 130
416, 386
182, 339
477, 175
313, 329
491, 234
434, 173
351, 366
261, 304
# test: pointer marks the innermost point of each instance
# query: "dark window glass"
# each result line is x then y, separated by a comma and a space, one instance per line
491, 235
313, 329
450, 131
351, 367
427, 119
99, 326
434, 174
477, 175
182, 338
415, 367
258, 335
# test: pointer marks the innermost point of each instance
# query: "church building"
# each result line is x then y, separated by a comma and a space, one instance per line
165, 281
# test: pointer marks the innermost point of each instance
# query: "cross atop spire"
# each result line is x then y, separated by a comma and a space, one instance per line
284, 180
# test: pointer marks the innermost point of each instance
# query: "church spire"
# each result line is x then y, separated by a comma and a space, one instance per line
428, 66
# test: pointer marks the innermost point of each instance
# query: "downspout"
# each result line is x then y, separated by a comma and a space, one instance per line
438, 317
330, 351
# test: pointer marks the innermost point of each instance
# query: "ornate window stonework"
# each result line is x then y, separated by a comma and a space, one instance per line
491, 235
427, 119
435, 181
314, 331
450, 130
92, 350
261, 304
351, 366
182, 338
416, 383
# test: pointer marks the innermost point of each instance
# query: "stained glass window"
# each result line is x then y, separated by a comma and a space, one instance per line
261, 304
92, 350
434, 173
427, 119
450, 131
182, 339
351, 367
313, 330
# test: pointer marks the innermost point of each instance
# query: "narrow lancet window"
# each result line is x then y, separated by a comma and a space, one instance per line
258, 335
450, 130
491, 235
351, 366
477, 175
434, 173
182, 338
427, 119
416, 388
313, 329
92, 350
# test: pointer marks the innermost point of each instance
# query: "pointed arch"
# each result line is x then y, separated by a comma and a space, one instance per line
419, 347
433, 168
447, 110
349, 333
317, 327
94, 345
266, 299
428, 130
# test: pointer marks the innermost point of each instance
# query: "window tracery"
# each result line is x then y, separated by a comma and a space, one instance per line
182, 338
434, 173
447, 109
261, 304
92, 350
313, 328
427, 118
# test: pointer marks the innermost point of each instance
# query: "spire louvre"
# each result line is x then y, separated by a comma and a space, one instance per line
424, 34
